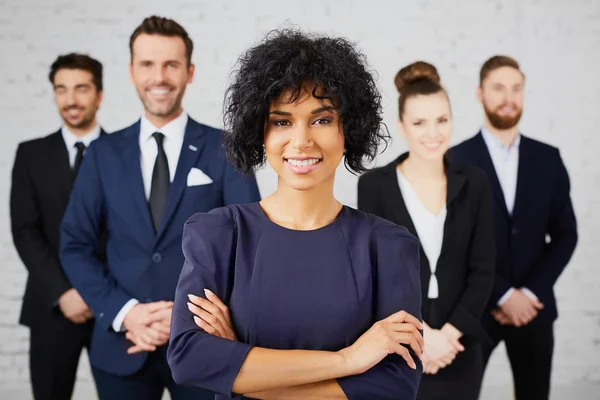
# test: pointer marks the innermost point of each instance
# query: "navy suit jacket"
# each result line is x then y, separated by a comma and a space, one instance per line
109, 194
543, 209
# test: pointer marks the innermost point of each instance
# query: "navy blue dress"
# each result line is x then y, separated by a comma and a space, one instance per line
289, 289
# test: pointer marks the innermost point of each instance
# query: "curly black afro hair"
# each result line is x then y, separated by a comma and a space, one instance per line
284, 61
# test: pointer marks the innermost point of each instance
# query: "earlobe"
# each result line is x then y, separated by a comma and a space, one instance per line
191, 70
131, 73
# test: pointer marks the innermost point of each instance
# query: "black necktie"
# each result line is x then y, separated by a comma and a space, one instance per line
78, 157
161, 181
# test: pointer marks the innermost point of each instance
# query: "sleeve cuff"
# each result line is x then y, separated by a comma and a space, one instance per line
529, 294
117, 324
505, 296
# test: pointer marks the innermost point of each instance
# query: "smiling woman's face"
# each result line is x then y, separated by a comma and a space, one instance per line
304, 140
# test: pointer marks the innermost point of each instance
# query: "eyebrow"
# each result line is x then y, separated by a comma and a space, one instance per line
313, 112
79, 85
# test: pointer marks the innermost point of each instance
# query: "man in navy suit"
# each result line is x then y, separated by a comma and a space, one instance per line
536, 230
141, 184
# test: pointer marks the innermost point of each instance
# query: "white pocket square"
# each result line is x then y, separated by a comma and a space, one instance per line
196, 177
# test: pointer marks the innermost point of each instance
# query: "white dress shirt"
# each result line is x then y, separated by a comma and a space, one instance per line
174, 133
430, 229
506, 163
71, 139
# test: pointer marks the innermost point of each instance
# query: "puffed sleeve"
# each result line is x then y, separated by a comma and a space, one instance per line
195, 357
397, 286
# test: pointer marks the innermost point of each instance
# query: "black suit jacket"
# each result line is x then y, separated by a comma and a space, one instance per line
41, 185
542, 208
465, 268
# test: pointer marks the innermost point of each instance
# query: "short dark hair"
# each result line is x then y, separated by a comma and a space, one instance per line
78, 61
497, 62
155, 25
287, 60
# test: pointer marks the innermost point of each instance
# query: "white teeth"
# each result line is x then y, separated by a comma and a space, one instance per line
159, 91
431, 145
302, 163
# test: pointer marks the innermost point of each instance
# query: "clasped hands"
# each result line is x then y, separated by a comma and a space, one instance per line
395, 334
148, 326
518, 310
441, 348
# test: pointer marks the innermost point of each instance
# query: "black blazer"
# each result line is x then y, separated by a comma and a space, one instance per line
542, 207
41, 184
465, 268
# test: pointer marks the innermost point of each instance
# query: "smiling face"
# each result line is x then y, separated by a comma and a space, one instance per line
160, 71
304, 141
501, 94
427, 125
77, 98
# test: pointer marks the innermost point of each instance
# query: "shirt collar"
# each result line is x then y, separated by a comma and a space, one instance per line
173, 130
70, 138
492, 142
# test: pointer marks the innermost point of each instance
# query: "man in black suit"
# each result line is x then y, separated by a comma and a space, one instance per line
60, 321
536, 230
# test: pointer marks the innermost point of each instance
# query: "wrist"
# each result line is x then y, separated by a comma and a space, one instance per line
343, 363
451, 331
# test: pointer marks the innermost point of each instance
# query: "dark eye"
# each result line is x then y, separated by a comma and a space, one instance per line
417, 123
323, 121
443, 120
281, 122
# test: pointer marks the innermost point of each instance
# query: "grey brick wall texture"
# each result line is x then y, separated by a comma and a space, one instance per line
557, 43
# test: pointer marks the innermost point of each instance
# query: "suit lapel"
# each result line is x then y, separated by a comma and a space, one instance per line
485, 162
524, 175
59, 161
133, 174
192, 148
392, 196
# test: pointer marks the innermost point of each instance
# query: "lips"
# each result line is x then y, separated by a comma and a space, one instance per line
302, 165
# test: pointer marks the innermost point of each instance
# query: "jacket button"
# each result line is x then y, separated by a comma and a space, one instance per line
156, 257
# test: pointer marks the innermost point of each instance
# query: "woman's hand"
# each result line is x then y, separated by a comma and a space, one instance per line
440, 350
383, 338
212, 315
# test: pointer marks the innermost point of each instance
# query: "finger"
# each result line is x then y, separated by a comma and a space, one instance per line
207, 328
217, 302
140, 342
434, 370
408, 339
159, 305
160, 328
456, 344
409, 328
207, 317
135, 349
537, 304
403, 316
404, 353
161, 336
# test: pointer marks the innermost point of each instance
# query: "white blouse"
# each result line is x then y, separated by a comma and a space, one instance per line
430, 229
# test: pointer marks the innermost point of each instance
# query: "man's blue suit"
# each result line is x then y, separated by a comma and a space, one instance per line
141, 264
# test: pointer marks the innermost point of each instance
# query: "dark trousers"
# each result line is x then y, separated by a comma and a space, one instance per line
529, 350
461, 380
54, 357
148, 383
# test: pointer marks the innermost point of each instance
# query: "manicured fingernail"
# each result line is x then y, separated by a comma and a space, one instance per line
189, 305
207, 292
191, 297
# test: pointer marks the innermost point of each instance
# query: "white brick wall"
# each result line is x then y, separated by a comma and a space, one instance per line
556, 41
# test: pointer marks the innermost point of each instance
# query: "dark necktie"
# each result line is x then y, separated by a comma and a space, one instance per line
161, 181
78, 157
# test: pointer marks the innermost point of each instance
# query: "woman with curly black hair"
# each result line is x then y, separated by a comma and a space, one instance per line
301, 296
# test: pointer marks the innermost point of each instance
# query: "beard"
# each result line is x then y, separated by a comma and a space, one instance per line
502, 122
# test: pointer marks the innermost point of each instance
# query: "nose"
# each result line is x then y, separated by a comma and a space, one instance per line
159, 74
70, 97
301, 137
